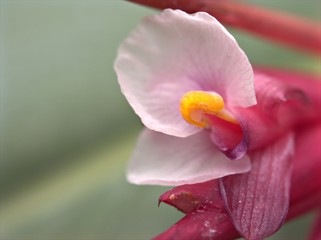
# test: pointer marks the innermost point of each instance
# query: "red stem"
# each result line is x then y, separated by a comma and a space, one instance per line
277, 26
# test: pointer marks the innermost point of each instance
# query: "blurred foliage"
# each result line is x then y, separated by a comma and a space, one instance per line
66, 130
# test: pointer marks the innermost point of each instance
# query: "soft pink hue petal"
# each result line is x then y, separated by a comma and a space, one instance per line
280, 107
258, 201
172, 53
165, 160
309, 84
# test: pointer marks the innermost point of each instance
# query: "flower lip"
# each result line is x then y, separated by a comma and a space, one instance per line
160, 159
196, 107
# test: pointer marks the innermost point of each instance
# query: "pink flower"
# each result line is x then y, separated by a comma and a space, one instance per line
168, 64
203, 107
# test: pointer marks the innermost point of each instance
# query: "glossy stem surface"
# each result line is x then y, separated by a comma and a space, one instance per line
280, 27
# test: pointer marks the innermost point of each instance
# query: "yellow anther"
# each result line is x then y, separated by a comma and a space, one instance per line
195, 105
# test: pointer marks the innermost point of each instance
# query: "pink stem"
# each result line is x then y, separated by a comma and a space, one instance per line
277, 26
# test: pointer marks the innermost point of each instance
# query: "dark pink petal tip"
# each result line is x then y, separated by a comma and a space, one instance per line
188, 198
241, 148
231, 139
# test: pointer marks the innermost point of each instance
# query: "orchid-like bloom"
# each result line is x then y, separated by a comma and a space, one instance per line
208, 116
183, 75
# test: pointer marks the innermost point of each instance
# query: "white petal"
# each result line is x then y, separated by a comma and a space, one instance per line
165, 160
172, 53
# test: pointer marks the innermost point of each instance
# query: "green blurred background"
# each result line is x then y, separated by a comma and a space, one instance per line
66, 130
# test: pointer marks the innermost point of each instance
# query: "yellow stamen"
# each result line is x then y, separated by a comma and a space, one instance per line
196, 104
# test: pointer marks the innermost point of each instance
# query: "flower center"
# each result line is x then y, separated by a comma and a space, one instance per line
197, 106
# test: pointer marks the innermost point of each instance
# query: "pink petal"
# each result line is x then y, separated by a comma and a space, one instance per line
309, 84
172, 53
165, 160
258, 201
280, 107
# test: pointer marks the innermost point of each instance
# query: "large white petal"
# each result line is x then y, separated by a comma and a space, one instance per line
172, 53
166, 160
